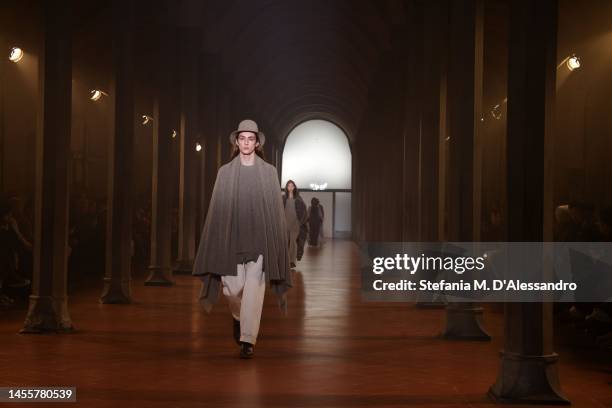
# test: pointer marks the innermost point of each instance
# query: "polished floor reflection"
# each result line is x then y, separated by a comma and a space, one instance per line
331, 350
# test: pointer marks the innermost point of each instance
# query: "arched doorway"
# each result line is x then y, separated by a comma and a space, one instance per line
317, 156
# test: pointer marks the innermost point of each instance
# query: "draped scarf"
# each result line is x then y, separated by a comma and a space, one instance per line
216, 256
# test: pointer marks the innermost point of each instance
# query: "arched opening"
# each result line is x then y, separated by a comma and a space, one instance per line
317, 157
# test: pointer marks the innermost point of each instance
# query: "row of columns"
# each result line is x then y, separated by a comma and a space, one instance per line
441, 163
176, 107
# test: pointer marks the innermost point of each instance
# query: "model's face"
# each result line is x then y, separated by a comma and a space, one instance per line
247, 142
290, 187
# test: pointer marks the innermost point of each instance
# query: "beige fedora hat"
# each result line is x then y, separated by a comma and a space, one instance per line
247, 125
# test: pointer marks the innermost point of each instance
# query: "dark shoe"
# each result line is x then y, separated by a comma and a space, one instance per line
236, 330
246, 350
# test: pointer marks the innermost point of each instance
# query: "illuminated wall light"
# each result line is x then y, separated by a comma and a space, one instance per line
496, 112
146, 119
174, 134
573, 62
96, 94
198, 147
314, 186
16, 54
498, 109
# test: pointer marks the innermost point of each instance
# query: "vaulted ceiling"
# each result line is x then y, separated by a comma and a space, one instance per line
296, 59
290, 59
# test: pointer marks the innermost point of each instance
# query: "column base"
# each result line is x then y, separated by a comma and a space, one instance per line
159, 276
464, 322
528, 380
183, 266
47, 314
431, 301
430, 305
116, 291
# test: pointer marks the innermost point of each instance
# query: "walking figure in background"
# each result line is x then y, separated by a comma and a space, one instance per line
303, 235
295, 215
316, 215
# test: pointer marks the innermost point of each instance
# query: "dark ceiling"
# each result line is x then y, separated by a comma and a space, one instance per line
298, 59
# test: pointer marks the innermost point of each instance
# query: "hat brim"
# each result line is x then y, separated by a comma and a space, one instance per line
260, 135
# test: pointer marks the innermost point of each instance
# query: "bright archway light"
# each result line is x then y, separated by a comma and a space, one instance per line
198, 147
16, 54
317, 155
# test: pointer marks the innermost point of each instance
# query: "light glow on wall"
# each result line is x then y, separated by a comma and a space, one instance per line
317, 153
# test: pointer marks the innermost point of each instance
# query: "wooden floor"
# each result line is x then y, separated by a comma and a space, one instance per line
331, 350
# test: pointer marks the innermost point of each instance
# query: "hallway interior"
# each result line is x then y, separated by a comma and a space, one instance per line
332, 350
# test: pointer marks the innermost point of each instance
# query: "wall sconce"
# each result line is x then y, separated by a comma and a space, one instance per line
573, 62
496, 112
146, 120
16, 54
96, 94
198, 147
174, 134
498, 109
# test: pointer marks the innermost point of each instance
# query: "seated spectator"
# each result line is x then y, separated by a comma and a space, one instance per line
21, 211
10, 242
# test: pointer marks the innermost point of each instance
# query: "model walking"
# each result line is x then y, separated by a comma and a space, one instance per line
244, 240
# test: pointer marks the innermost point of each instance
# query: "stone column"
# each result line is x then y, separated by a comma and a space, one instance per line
209, 135
188, 156
163, 172
119, 246
431, 72
48, 309
463, 320
412, 44
434, 34
528, 371
3, 46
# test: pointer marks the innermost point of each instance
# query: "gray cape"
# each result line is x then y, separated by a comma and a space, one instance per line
216, 255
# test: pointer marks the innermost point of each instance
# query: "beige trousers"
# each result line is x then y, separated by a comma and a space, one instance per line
245, 294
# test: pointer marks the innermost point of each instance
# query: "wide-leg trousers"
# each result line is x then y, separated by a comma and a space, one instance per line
245, 294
